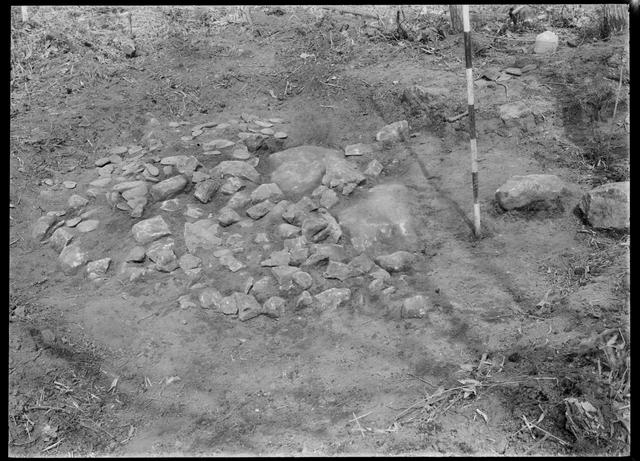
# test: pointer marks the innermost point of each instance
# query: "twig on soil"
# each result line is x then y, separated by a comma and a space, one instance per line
359, 426
48, 408
421, 379
615, 107
327, 107
359, 417
531, 425
15, 241
50, 447
457, 117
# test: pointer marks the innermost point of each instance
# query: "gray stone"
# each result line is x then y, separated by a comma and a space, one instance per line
312, 226
342, 175
262, 124
331, 233
232, 185
328, 199
218, 144
546, 42
152, 169
393, 132
374, 168
273, 307
358, 149
376, 285
231, 263
265, 192
396, 262
296, 213
361, 265
323, 252
194, 212
512, 113
88, 226
205, 190
277, 258
61, 238
168, 188
228, 305
300, 169
48, 182
136, 254
381, 274
171, 205
210, 298
280, 135
285, 230
186, 302
99, 266
264, 288
303, 279
106, 170
167, 170
228, 216
248, 307
336, 270
71, 258
189, 263
102, 161
126, 185
261, 237
239, 200
333, 298
284, 274
73, 222
135, 193
298, 256
238, 169
522, 191
161, 253
415, 307
304, 300
240, 152
101, 182
116, 152
201, 234
69, 184
259, 210
42, 226
607, 206
382, 216
295, 243
199, 176
150, 229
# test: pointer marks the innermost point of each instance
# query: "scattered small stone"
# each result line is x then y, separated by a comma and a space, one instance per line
199, 176
284, 274
374, 168
265, 192
239, 200
396, 262
194, 212
106, 170
286, 231
77, 201
71, 258
88, 226
415, 307
228, 216
328, 199
73, 222
513, 71
333, 297
273, 307
190, 264
205, 190
61, 238
295, 243
298, 256
304, 300
259, 210
126, 185
312, 226
102, 161
237, 168
277, 258
280, 135
229, 261
376, 285
303, 279
210, 298
136, 254
241, 152
262, 124
69, 184
231, 186
336, 270
151, 229
161, 253
248, 307
99, 266
201, 234
171, 205
167, 170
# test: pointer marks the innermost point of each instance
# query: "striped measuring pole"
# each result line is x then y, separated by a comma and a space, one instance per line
472, 119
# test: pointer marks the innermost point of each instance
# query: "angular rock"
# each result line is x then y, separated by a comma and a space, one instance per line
238, 169
396, 262
284, 274
218, 144
126, 185
150, 229
312, 226
285, 230
231, 263
136, 254
199, 176
328, 199
168, 188
331, 233
273, 307
336, 270
304, 300
241, 152
190, 264
277, 258
300, 169
73, 222
381, 274
608, 206
374, 168
101, 182
361, 265
205, 190
393, 132
302, 279
228, 305
42, 226
201, 234
296, 213
61, 238
210, 298
533, 189
71, 258
152, 169
415, 307
102, 161
231, 186
264, 288
295, 243
186, 302
135, 193
171, 205
259, 210
161, 253
342, 175
106, 170
228, 216
69, 184
248, 307
194, 212
77, 201
512, 112
333, 298
99, 266
298, 256
358, 149
265, 192
239, 200
546, 42
88, 226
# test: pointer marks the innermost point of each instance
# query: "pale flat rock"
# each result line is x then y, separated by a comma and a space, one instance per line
194, 212
191, 265
73, 222
238, 169
336, 270
199, 176
171, 205
88, 226
150, 229
393, 132
42, 226
277, 258
239, 200
259, 210
228, 216
168, 188
60, 238
152, 169
69, 184
161, 253
228, 305
374, 168
284, 274
126, 185
136, 254
100, 182
304, 300
300, 169
358, 150
264, 288
248, 307
77, 201
71, 258
231, 263
99, 266
361, 265
415, 307
333, 298
186, 302
218, 144
302, 279
210, 298
286, 231
232, 185
205, 190
608, 206
533, 189
396, 262
298, 256
102, 161
266, 191
280, 135
328, 199
274, 307
201, 234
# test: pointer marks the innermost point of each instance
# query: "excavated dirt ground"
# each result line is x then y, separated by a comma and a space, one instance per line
294, 385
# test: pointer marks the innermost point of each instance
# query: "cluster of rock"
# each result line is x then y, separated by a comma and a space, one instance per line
604, 207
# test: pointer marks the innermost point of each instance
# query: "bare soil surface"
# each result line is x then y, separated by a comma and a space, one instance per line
118, 368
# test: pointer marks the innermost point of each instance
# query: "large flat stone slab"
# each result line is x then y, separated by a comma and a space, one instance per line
522, 191
300, 169
607, 206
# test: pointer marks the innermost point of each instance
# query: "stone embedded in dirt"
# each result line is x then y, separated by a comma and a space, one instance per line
248, 307
238, 169
312, 226
358, 149
186, 302
73, 222
151, 229
132, 272
415, 307
513, 71
264, 288
361, 265
262, 124
298, 256
218, 144
123, 206
397, 131
300, 169
296, 213
77, 201
529, 68
168, 188
277, 258
136, 254
228, 216
201, 234
61, 238
133, 150
302, 279
48, 182
239, 200
331, 233
210, 298
266, 191
286, 231
231, 186
135, 193
330, 251
275, 213
167, 170
126, 185
332, 298
533, 189
196, 133
228, 305
115, 157
374, 168
546, 42
231, 263
396, 262
512, 113
328, 199
607, 206
259, 210
295, 243
381, 274
389, 291
382, 215
161, 253
376, 285
171, 205
69, 184
336, 270
88, 226
273, 307
99, 266
102, 161
212, 152
42, 226
205, 190
106, 170
280, 135
71, 258
152, 169
261, 237
190, 264
240, 152
57, 213
284, 274
194, 212
268, 131
118, 150
304, 300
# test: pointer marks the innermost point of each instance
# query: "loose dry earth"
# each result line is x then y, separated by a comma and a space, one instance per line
500, 337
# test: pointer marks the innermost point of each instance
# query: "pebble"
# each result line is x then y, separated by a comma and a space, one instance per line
218, 144
186, 138
169, 187
286, 231
298, 256
228, 216
100, 266
190, 264
136, 254
205, 190
265, 192
395, 262
69, 184
231, 263
88, 226
248, 307
268, 131
280, 135
71, 258
276, 120
415, 307
167, 170
152, 169
261, 237
239, 200
185, 302
196, 133
161, 253
134, 149
336, 270
210, 298
284, 274
262, 124
118, 150
274, 307
42, 225
101, 182
228, 305
303, 279
77, 201
259, 210
171, 205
